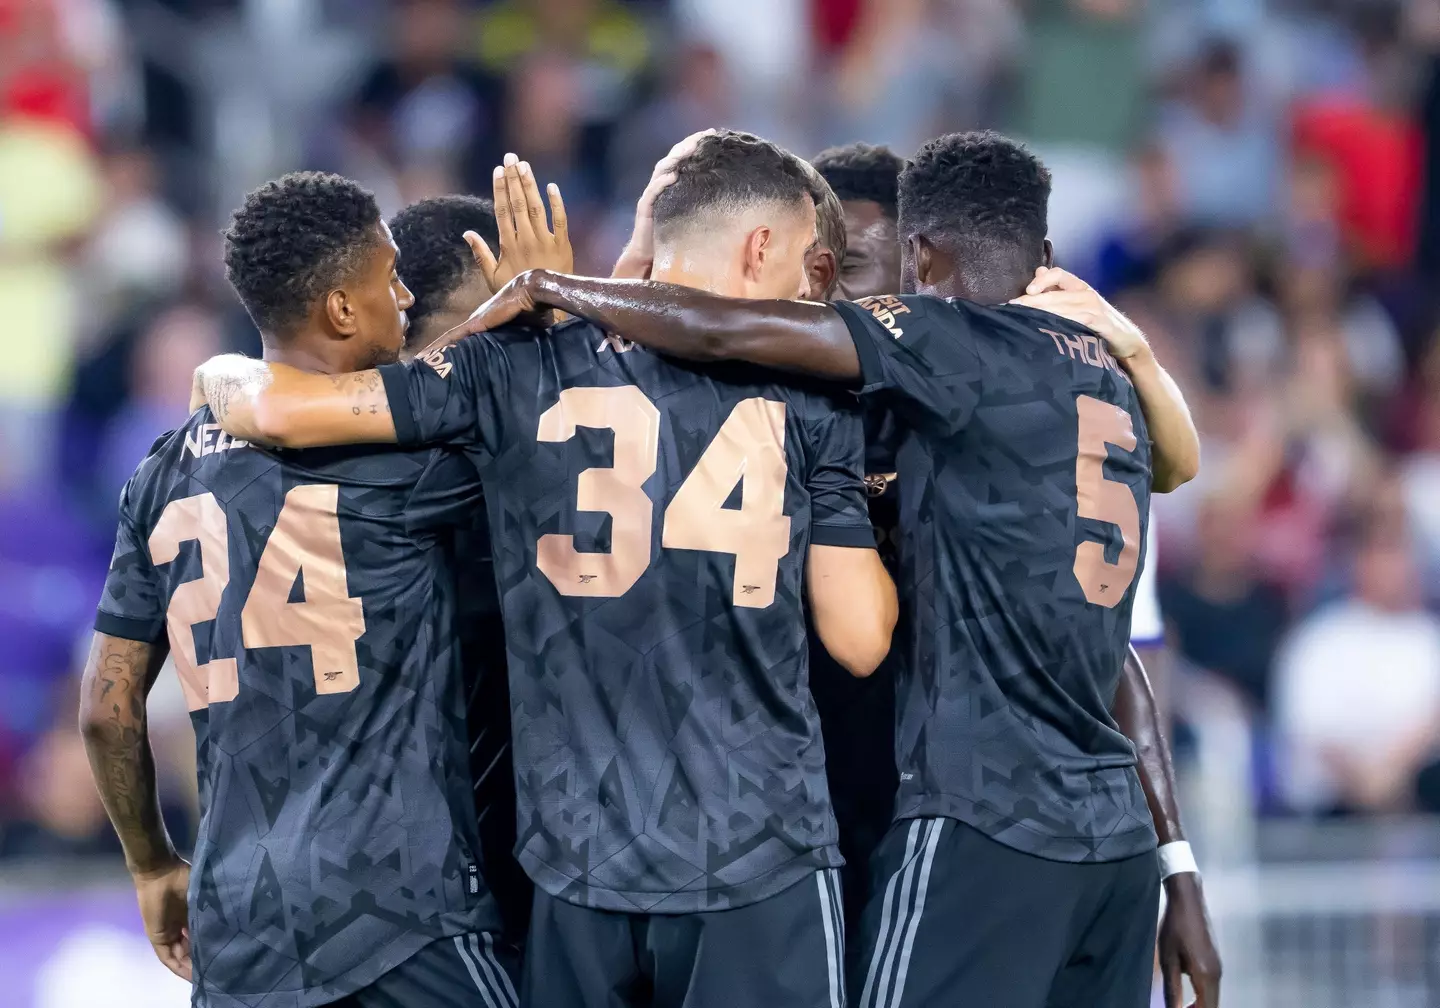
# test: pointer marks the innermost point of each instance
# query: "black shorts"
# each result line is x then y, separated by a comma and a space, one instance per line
783, 952
957, 919
857, 721
467, 971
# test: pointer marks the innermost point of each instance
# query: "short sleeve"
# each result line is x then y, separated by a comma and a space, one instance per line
920, 351
839, 512
448, 395
132, 605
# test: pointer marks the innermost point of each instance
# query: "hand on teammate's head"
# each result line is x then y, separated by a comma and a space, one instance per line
525, 241
1062, 293
639, 254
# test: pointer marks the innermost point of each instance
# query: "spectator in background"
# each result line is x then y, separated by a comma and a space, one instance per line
1224, 619
138, 250
1082, 90
61, 815
1371, 142
49, 192
766, 49
695, 97
1128, 256
912, 69
1224, 145
428, 112
1357, 690
608, 44
169, 350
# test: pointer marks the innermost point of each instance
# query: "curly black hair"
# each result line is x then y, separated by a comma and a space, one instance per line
294, 239
978, 189
731, 170
862, 171
434, 259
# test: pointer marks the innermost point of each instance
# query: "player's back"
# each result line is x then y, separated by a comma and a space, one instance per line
651, 522
309, 600
1024, 474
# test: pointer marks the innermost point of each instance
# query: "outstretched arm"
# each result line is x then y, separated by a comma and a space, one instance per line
284, 407
1187, 943
683, 322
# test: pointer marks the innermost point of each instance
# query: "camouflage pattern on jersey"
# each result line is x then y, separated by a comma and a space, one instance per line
1024, 486
310, 600
667, 750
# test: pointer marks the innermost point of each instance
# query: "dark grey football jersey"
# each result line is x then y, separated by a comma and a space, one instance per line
309, 599
650, 524
1024, 479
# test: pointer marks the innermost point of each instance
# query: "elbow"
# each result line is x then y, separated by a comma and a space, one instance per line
1169, 479
865, 644
1176, 474
95, 728
862, 660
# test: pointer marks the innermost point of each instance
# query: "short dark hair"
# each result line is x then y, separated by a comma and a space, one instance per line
862, 171
434, 259
979, 188
295, 238
731, 170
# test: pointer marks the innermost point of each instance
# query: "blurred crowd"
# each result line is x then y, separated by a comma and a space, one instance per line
1256, 183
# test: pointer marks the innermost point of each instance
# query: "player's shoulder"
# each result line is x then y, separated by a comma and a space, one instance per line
171, 468
900, 313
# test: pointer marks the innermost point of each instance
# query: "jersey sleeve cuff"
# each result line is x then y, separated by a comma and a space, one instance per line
872, 374
145, 631
396, 378
856, 536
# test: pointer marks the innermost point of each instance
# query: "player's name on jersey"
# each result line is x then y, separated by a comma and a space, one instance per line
207, 439
885, 307
1086, 349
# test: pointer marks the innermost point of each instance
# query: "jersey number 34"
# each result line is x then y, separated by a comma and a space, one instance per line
749, 448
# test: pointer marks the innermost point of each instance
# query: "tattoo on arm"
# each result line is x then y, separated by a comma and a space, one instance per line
220, 393
364, 390
118, 677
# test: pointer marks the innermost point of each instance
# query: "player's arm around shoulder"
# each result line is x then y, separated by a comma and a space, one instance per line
1175, 459
273, 404
852, 599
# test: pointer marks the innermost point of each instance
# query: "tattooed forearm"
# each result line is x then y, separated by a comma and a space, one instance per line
233, 385
273, 404
364, 391
118, 677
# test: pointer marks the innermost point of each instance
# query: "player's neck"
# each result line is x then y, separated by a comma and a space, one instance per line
298, 352
995, 291
697, 275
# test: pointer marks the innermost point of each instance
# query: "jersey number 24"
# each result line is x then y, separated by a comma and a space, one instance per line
305, 542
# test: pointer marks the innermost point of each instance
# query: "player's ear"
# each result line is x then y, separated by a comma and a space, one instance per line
757, 248
923, 256
1049, 253
340, 312
821, 269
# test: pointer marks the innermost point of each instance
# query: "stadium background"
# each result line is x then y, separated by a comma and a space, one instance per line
1257, 183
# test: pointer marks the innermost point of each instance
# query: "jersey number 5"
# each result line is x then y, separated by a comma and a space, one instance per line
1105, 500
747, 449
305, 545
